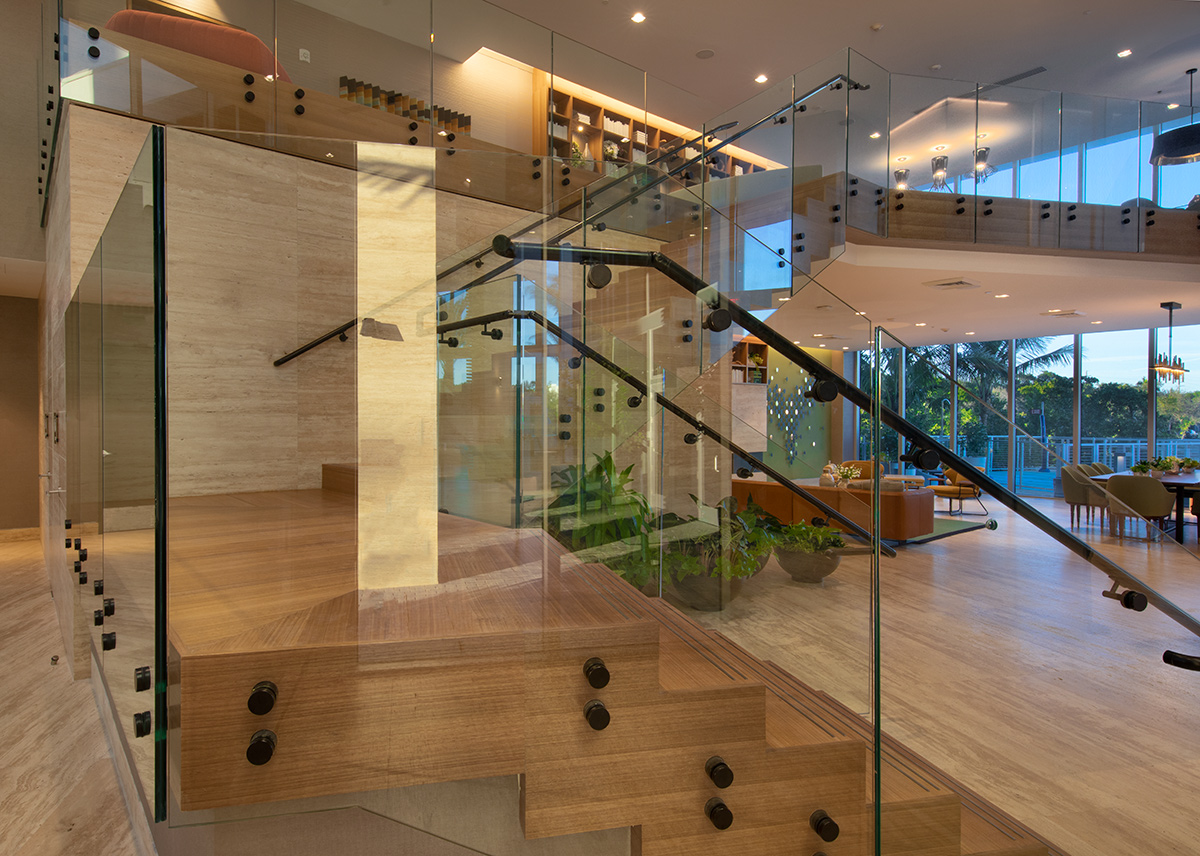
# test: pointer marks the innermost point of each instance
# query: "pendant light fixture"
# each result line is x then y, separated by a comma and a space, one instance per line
941, 168
901, 179
1179, 145
982, 168
1167, 366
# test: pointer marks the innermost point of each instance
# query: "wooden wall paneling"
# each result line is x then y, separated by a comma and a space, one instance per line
351, 718
397, 380
1171, 232
932, 216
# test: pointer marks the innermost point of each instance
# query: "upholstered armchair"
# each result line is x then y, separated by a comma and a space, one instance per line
1081, 493
1134, 497
958, 487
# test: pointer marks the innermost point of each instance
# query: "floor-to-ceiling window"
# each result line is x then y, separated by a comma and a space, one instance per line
1177, 424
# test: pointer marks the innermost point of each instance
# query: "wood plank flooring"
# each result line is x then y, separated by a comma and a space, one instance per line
1004, 666
59, 794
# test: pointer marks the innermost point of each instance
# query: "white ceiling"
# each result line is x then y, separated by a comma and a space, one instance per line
1075, 40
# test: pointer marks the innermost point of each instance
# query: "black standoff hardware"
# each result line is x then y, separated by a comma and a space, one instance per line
299, 109
110, 606
93, 33
98, 617
564, 417
719, 813
691, 439
824, 825
262, 698
299, 93
142, 681
596, 714
718, 771
261, 748
78, 543
248, 79
83, 578
67, 523
108, 641
596, 673
249, 97
142, 726
564, 435
98, 587
94, 52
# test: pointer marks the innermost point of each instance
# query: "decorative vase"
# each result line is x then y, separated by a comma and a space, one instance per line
805, 566
1156, 474
1187, 471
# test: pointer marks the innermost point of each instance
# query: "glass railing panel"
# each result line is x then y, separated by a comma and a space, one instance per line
1169, 222
1014, 169
128, 603
1101, 157
932, 145
186, 69
360, 72
597, 111
867, 141
1043, 605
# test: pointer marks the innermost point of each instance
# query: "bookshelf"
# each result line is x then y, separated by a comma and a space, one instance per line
593, 131
750, 357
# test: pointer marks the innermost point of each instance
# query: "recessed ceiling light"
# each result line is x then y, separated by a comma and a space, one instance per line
860, 313
1002, 296
784, 299
796, 343
818, 335
1124, 53
902, 159
707, 53
1097, 322
970, 332
579, 128
921, 324
637, 17
1172, 106
982, 136
845, 347
941, 147
762, 78
875, 136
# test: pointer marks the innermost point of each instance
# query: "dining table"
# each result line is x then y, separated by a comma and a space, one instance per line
1180, 484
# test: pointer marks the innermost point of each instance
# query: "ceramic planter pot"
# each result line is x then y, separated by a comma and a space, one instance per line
1156, 474
807, 567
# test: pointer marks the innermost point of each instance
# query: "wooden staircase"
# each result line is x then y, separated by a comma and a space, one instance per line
482, 676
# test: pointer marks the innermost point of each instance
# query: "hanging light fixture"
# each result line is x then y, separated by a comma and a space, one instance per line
982, 168
1179, 145
901, 179
941, 167
1167, 366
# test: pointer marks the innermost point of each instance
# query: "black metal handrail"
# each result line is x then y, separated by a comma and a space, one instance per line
340, 332
501, 245
666, 403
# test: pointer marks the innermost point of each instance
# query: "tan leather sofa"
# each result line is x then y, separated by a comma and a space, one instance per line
903, 514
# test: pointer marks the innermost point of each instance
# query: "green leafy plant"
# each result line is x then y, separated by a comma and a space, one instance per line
1142, 467
1169, 462
733, 549
1188, 463
598, 506
847, 473
807, 538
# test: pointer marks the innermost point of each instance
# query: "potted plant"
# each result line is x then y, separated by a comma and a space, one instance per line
845, 474
1160, 466
1141, 468
807, 552
1188, 465
757, 374
706, 572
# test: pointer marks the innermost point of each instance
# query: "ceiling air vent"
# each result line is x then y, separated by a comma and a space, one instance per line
1064, 313
951, 284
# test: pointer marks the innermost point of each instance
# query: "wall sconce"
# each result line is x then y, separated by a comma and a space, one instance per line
982, 168
941, 167
901, 179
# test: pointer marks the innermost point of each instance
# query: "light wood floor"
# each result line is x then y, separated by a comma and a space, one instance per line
1003, 665
58, 792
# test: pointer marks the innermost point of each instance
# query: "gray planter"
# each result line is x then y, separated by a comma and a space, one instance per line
807, 567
